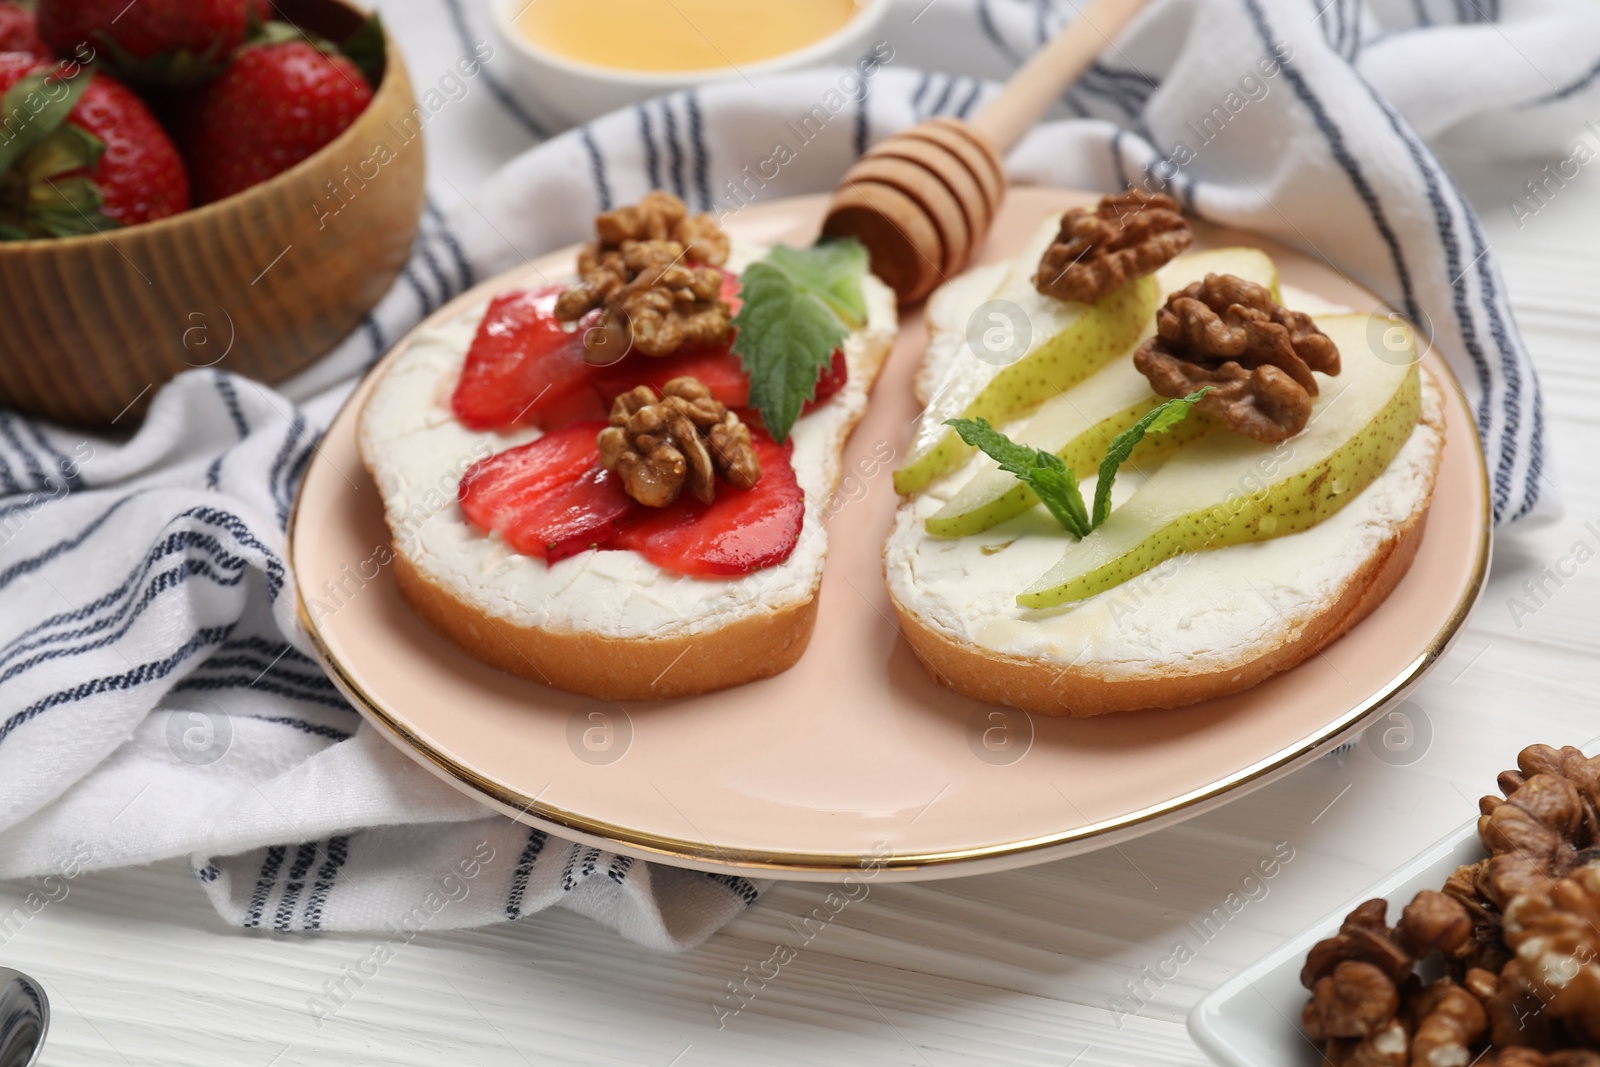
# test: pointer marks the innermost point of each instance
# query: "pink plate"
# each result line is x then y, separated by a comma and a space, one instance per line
854, 756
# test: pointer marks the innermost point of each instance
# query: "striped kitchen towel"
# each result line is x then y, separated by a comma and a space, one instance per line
156, 699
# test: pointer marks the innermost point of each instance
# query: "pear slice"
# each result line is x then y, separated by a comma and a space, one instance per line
1226, 489
1066, 342
1078, 424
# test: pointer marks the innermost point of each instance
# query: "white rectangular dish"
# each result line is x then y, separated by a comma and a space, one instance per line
1253, 1020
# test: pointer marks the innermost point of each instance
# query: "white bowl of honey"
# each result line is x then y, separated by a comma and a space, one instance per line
583, 58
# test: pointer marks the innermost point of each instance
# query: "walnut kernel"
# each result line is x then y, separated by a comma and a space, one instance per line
1257, 357
1355, 1000
652, 273
1450, 1022
1364, 936
683, 438
1100, 249
1554, 928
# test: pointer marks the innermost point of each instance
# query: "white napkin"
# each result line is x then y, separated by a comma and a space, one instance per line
155, 695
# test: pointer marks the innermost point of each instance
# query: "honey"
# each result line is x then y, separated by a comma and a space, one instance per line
678, 35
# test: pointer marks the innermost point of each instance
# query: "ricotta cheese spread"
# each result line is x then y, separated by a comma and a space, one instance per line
417, 452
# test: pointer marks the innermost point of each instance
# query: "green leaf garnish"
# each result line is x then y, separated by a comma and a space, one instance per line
832, 271
1053, 481
1043, 472
798, 304
1159, 420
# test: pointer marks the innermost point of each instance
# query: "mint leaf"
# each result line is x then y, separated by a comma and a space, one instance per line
1043, 472
797, 304
1159, 420
1053, 481
832, 271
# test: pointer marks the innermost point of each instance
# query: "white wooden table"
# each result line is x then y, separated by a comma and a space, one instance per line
1026, 967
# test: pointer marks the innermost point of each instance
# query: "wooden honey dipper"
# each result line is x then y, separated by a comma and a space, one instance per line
921, 200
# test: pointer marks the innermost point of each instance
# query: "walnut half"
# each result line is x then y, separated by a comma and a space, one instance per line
684, 437
652, 271
1100, 249
1257, 357
1552, 927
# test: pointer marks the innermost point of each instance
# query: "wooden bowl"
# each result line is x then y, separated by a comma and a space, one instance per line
261, 284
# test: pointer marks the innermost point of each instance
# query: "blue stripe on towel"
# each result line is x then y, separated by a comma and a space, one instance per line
1342, 155
921, 91
338, 852
230, 400
223, 567
264, 883
739, 887
304, 857
315, 729
8, 428
198, 684
1572, 88
702, 155
991, 31
467, 276
458, 18
597, 169
862, 132
519, 878
647, 141
65, 464
33, 563
145, 673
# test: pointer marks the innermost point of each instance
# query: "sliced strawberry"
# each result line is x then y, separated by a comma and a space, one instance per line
730, 292
834, 377
739, 532
549, 498
524, 368
717, 367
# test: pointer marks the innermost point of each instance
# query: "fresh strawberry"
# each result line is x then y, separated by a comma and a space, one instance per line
19, 33
165, 42
88, 157
140, 176
717, 368
550, 498
523, 367
276, 104
738, 532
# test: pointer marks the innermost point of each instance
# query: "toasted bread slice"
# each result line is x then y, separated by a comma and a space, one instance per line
1205, 625
607, 624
